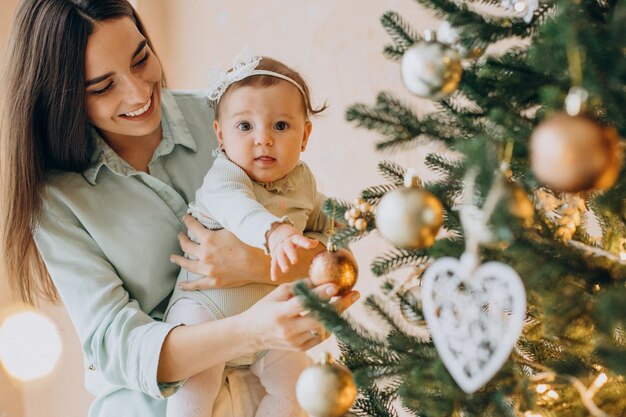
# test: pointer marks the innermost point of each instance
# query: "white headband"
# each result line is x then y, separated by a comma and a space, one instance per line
244, 66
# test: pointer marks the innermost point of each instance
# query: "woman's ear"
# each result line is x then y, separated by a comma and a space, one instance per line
218, 133
305, 136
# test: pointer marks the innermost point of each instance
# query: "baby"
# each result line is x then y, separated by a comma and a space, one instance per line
259, 190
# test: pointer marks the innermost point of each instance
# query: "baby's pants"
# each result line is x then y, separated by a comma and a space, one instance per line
277, 370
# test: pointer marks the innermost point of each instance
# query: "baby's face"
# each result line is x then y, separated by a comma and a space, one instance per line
263, 129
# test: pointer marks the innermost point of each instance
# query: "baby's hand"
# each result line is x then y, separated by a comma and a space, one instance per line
283, 241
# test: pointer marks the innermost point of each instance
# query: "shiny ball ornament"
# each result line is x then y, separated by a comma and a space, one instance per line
431, 70
575, 153
326, 389
334, 266
409, 217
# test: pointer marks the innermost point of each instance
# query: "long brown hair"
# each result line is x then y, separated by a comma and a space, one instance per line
43, 122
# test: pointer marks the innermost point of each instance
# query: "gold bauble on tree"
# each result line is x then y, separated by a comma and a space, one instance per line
336, 266
326, 389
409, 217
575, 153
431, 69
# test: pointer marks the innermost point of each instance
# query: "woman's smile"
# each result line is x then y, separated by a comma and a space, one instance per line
142, 113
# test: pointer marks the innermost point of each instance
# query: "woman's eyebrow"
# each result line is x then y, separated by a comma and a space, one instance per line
96, 80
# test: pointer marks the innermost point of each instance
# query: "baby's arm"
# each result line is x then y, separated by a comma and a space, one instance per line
227, 196
283, 239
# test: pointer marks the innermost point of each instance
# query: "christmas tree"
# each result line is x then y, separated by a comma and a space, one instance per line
516, 308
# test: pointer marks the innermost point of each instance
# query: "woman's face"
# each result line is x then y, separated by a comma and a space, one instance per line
123, 81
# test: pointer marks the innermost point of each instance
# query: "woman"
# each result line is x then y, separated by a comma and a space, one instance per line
98, 164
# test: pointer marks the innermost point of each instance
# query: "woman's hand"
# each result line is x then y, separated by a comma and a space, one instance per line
224, 261
279, 321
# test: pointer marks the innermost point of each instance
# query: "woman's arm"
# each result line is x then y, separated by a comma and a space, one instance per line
120, 342
275, 322
225, 261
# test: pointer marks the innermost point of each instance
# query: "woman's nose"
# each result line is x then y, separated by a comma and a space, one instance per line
137, 90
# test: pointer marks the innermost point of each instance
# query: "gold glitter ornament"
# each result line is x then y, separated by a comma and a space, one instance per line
326, 389
431, 69
336, 266
565, 212
575, 153
409, 217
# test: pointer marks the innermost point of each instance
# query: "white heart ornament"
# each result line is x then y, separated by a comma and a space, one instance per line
474, 320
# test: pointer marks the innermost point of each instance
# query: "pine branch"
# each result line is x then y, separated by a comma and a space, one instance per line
402, 34
342, 237
392, 171
444, 165
373, 194
335, 208
350, 333
480, 30
375, 402
396, 259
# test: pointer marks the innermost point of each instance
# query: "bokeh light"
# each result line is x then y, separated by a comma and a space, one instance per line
30, 345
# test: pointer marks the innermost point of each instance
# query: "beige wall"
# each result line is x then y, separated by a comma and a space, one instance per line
11, 399
337, 45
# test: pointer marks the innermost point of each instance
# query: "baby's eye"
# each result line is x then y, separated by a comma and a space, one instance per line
244, 126
280, 126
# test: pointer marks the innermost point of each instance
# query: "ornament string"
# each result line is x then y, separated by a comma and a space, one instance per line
474, 220
576, 99
331, 233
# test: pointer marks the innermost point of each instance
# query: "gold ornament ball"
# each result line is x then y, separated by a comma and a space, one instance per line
409, 217
431, 69
575, 153
326, 389
338, 267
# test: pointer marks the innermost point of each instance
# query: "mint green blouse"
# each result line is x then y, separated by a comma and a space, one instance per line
106, 236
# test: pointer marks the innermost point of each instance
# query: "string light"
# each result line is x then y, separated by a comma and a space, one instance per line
600, 380
30, 345
553, 394
541, 388
596, 385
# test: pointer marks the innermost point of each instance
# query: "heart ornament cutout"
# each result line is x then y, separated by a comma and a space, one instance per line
474, 319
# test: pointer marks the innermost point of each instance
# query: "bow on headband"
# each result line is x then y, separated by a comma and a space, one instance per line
219, 80
244, 66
